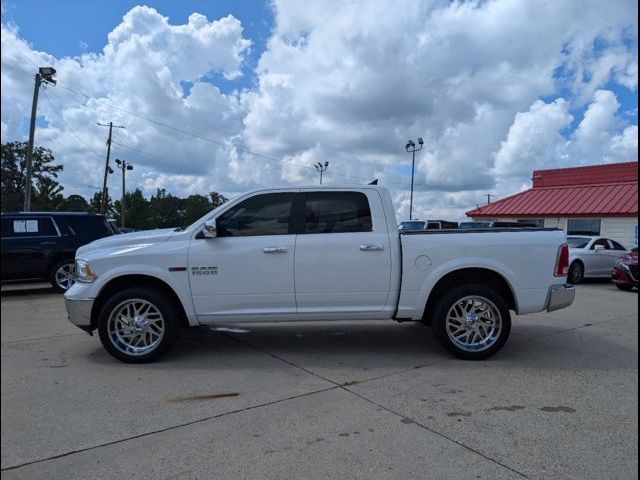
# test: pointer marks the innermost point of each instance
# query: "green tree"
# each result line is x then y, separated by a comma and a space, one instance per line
217, 199
166, 210
13, 166
194, 207
47, 196
137, 214
96, 201
74, 203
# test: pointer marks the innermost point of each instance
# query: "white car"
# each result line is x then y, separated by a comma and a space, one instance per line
592, 257
308, 254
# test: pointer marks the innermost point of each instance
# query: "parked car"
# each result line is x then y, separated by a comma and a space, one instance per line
592, 257
308, 254
40, 246
427, 225
412, 225
625, 271
468, 225
496, 224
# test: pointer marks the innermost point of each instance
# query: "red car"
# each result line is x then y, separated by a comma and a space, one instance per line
625, 271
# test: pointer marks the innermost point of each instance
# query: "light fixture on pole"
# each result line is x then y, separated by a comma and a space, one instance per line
411, 148
124, 166
321, 167
46, 75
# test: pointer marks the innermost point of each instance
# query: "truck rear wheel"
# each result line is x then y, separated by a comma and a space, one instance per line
138, 325
472, 321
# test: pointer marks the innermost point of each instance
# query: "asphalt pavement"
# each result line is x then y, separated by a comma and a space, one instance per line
368, 399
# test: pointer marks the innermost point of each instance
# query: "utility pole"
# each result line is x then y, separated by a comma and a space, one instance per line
320, 167
45, 74
411, 147
124, 166
103, 203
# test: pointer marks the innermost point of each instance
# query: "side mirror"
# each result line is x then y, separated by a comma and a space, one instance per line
210, 230
598, 248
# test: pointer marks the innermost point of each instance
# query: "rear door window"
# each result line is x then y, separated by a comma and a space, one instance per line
13, 227
336, 212
617, 246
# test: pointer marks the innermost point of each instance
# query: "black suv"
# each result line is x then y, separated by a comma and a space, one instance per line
42, 245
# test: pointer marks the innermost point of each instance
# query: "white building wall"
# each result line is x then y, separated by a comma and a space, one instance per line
620, 229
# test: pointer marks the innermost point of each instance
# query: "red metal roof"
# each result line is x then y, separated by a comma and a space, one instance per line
616, 194
593, 175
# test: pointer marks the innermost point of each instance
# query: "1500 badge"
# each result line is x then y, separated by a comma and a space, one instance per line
204, 270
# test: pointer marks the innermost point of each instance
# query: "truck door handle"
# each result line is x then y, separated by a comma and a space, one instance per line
370, 247
47, 243
274, 250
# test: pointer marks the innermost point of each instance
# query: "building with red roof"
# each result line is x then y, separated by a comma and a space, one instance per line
595, 200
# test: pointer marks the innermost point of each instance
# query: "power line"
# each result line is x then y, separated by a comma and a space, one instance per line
69, 126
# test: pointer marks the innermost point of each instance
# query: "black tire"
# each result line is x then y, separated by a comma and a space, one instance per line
498, 311
625, 287
576, 273
170, 316
60, 284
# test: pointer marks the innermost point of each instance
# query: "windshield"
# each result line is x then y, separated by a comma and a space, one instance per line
578, 242
411, 225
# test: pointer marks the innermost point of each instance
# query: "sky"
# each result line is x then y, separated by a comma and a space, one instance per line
230, 96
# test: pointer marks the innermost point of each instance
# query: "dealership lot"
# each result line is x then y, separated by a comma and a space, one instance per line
341, 400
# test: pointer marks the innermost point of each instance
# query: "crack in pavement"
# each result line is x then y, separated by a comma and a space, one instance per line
362, 397
35, 339
334, 386
161, 430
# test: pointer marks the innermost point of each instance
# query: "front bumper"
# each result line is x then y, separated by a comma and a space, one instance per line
79, 312
622, 275
560, 296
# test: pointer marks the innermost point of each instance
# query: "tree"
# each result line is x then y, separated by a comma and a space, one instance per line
137, 214
13, 167
166, 210
194, 207
217, 199
96, 201
74, 203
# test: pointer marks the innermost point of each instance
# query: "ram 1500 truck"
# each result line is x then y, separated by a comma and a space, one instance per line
296, 254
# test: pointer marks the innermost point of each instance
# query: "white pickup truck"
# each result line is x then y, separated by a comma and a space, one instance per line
296, 254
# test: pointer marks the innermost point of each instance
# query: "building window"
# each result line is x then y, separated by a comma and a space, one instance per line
583, 226
536, 222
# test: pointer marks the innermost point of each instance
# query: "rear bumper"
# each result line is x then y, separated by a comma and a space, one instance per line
560, 296
79, 312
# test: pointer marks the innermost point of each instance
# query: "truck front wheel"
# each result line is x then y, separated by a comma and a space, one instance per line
472, 321
138, 325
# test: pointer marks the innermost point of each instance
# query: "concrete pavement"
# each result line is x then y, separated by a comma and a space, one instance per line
333, 400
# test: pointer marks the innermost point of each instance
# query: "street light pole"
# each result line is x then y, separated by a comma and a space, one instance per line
124, 166
321, 167
411, 147
45, 74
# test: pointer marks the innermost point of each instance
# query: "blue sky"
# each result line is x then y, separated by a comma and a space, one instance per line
496, 88
71, 27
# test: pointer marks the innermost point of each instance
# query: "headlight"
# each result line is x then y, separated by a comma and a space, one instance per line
84, 273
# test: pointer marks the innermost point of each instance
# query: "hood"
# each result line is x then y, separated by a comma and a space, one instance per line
147, 237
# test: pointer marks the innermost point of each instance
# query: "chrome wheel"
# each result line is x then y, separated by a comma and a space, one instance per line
135, 327
64, 276
473, 323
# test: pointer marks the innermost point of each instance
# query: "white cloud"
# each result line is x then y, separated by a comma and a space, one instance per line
346, 82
